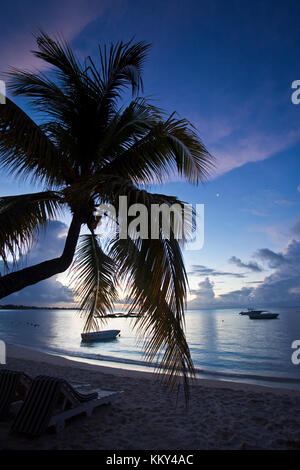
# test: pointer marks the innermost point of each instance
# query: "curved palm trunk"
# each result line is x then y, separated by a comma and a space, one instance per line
17, 280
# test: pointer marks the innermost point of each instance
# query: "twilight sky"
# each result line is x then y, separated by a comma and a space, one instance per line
227, 67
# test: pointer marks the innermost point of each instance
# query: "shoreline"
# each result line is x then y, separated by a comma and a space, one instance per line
149, 416
30, 354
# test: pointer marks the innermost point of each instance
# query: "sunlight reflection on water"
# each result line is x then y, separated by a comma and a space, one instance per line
220, 340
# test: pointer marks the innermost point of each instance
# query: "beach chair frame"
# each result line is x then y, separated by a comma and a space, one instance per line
25, 382
16, 395
51, 401
104, 397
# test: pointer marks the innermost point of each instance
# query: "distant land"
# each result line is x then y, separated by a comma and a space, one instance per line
33, 307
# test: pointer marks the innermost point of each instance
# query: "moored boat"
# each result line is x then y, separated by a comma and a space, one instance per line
264, 315
100, 335
250, 310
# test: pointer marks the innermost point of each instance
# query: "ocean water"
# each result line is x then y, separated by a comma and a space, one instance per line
223, 344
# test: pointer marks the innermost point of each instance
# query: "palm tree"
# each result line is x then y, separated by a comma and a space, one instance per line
88, 150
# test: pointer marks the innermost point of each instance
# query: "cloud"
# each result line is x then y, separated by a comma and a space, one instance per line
205, 296
284, 202
53, 237
279, 289
255, 212
254, 147
50, 291
277, 232
205, 292
254, 282
273, 259
298, 188
252, 266
200, 270
250, 129
296, 227
65, 17
46, 293
282, 286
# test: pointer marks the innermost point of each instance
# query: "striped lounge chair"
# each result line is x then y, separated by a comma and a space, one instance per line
13, 387
51, 401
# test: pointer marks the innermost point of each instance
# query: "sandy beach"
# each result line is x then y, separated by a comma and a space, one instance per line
220, 415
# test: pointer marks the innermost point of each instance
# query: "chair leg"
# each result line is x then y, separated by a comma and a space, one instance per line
59, 427
89, 412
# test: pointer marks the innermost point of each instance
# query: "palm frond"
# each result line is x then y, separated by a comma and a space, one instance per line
25, 150
21, 217
121, 66
57, 52
156, 282
125, 127
52, 93
154, 273
93, 280
81, 97
158, 148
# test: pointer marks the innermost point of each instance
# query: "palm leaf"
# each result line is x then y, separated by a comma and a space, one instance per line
25, 150
157, 148
120, 66
81, 97
155, 277
156, 281
93, 280
21, 217
126, 126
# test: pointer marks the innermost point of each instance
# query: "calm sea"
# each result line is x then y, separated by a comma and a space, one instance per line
223, 344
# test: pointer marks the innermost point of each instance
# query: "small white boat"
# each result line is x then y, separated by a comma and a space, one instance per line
100, 335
